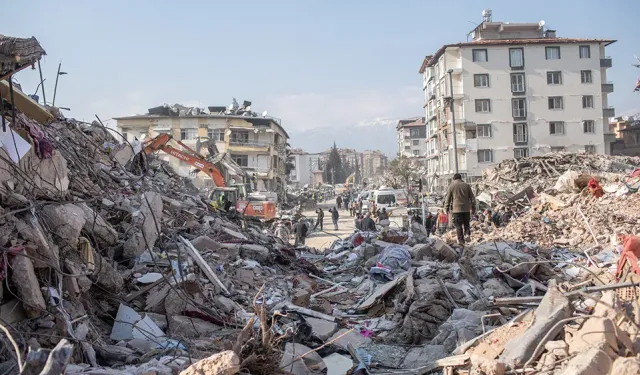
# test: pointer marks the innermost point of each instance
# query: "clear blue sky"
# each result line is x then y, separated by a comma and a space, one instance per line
340, 70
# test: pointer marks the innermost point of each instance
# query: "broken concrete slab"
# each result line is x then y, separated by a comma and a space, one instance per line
30, 229
223, 363
205, 243
595, 332
123, 155
26, 283
497, 288
389, 356
65, 221
225, 304
131, 325
624, 366
558, 348
593, 361
96, 224
421, 356
50, 175
258, 253
463, 325
338, 364
354, 338
485, 366
321, 328
145, 219
184, 326
553, 308
106, 275
445, 252
310, 364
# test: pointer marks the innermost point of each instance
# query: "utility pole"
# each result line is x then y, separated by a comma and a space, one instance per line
453, 122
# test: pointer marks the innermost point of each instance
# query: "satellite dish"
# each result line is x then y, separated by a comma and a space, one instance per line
264, 114
247, 108
541, 23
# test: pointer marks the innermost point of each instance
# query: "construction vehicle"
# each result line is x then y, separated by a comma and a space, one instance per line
238, 194
349, 182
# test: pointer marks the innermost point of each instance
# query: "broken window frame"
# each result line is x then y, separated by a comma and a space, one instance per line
520, 136
188, 134
590, 149
520, 152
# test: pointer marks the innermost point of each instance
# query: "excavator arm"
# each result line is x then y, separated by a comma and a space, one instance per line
160, 143
350, 179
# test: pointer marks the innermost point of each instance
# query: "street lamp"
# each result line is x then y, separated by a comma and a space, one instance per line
453, 122
55, 88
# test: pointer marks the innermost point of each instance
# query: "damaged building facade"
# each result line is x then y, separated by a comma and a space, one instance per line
256, 143
412, 137
518, 91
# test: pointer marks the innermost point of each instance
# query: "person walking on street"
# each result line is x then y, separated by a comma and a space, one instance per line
319, 219
334, 216
461, 203
301, 232
442, 222
428, 223
339, 201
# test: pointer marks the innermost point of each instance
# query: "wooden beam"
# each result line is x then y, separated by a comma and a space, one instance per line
25, 104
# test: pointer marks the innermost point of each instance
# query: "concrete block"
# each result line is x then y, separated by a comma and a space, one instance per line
223, 363
26, 283
184, 326
65, 221
323, 329
354, 338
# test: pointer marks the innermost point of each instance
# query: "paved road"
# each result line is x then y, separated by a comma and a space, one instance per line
323, 239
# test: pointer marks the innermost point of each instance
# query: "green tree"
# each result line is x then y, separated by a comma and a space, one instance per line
334, 165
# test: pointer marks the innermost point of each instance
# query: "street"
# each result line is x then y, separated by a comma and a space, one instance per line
323, 239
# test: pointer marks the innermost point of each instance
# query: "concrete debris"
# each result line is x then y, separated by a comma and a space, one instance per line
65, 221
223, 363
26, 283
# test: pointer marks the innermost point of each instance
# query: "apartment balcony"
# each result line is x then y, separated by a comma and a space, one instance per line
607, 87
606, 62
608, 112
472, 145
240, 146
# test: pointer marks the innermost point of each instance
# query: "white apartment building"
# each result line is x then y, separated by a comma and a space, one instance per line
518, 91
412, 137
306, 167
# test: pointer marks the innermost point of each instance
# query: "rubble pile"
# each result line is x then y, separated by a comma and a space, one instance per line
541, 172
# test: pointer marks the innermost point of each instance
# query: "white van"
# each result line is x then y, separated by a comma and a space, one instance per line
384, 198
365, 196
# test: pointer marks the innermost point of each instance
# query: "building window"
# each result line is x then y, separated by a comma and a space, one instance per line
516, 57
590, 149
520, 133
585, 52
485, 156
554, 78
517, 83
216, 134
519, 108
416, 142
415, 132
588, 126
480, 55
587, 101
557, 149
416, 152
556, 102
520, 153
484, 131
188, 134
585, 76
481, 80
556, 128
483, 105
407, 148
471, 134
552, 53
241, 160
239, 136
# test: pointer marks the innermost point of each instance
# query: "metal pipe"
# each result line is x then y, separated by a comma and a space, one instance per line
453, 122
44, 97
55, 88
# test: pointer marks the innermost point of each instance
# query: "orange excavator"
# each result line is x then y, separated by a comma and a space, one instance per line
238, 194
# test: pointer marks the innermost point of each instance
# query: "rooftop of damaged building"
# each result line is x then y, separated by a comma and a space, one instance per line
17, 54
232, 111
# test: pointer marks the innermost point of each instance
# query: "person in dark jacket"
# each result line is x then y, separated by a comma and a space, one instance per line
428, 223
367, 224
319, 219
301, 232
339, 201
334, 216
461, 202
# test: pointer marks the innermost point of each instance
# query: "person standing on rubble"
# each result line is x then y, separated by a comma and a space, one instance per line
428, 223
301, 232
367, 224
319, 219
339, 201
334, 216
461, 202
